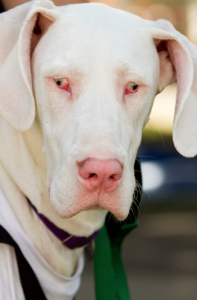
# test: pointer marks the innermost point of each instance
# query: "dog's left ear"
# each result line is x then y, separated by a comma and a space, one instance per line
178, 62
21, 30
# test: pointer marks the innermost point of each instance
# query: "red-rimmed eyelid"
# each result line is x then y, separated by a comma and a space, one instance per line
129, 89
62, 84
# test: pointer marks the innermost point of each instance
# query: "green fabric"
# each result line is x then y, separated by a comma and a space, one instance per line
110, 278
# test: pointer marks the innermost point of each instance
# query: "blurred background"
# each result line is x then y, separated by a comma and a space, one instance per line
161, 254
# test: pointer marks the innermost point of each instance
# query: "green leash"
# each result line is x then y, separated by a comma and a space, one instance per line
110, 278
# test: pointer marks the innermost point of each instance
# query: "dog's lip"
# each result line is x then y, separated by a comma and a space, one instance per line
98, 204
120, 216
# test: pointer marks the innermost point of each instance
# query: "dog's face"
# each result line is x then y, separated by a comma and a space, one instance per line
95, 72
94, 87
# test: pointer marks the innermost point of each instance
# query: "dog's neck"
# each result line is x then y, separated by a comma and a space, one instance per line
23, 173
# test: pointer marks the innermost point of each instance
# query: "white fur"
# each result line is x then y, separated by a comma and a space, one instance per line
99, 50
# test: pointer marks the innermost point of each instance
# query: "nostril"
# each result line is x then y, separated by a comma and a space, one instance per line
116, 176
93, 175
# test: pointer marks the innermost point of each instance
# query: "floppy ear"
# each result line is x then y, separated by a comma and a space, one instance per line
178, 62
21, 29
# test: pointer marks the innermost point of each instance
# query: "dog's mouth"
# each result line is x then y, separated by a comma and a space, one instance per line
107, 201
95, 207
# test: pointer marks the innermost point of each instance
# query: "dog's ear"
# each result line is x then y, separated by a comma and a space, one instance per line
21, 29
178, 62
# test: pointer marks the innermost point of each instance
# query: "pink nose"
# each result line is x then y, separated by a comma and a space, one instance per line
98, 175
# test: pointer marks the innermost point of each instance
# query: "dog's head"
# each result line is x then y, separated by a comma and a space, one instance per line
93, 73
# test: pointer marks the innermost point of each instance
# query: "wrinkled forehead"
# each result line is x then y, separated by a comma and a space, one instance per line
95, 35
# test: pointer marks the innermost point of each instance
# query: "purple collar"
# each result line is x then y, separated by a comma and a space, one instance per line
70, 241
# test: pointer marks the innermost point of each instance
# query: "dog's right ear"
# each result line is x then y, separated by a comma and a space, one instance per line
21, 30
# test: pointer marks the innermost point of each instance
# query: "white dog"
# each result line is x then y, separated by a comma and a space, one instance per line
77, 84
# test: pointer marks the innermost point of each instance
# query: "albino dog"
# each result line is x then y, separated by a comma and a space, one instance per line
77, 84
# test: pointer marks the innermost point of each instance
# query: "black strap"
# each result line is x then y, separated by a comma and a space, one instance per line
31, 287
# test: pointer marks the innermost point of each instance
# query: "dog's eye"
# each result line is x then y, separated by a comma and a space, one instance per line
62, 83
132, 87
